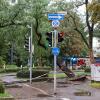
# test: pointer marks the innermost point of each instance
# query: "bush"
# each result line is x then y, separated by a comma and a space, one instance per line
35, 73
8, 70
2, 62
87, 69
95, 84
2, 88
11, 70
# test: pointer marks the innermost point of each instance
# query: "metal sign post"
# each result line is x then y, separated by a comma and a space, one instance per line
55, 59
55, 51
55, 17
30, 54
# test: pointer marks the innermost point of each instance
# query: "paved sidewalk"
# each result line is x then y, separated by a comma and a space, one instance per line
53, 98
64, 90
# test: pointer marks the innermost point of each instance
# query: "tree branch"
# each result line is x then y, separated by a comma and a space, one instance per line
76, 29
39, 35
87, 14
82, 37
11, 21
78, 5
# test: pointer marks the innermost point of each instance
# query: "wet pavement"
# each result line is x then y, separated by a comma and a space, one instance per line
10, 78
44, 90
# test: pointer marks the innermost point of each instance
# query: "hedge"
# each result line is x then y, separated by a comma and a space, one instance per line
87, 69
35, 73
2, 88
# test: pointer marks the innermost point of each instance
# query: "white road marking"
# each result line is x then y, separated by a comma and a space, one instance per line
37, 89
65, 99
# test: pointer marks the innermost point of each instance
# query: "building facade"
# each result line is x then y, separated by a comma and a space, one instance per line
96, 46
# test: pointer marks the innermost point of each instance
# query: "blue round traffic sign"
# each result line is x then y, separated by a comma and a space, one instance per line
55, 51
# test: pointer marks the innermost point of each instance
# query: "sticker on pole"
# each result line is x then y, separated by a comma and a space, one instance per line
55, 23
55, 51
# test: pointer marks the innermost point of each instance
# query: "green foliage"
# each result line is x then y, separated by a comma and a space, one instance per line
2, 62
11, 69
95, 84
2, 88
5, 95
84, 52
94, 9
87, 69
97, 31
13, 27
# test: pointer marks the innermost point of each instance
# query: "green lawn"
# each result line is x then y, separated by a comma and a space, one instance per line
59, 75
95, 84
81, 72
4, 95
62, 75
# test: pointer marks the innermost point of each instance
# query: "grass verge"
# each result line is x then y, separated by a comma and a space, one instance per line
95, 84
6, 96
59, 75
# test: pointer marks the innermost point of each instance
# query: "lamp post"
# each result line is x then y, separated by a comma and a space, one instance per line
30, 53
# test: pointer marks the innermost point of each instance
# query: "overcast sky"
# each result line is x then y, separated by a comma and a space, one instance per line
81, 9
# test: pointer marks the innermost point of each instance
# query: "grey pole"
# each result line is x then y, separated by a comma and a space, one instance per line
12, 55
31, 56
55, 59
30, 53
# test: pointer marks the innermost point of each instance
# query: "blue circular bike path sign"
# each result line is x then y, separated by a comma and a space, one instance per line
55, 51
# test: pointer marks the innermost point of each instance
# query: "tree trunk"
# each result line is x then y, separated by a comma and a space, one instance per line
90, 30
91, 56
91, 46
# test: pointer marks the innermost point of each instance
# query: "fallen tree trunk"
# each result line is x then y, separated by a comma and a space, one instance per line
70, 73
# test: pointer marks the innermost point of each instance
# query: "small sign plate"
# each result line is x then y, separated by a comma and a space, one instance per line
55, 51
55, 23
56, 16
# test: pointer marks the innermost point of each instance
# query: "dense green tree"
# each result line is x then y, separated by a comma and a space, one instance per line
14, 20
94, 8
